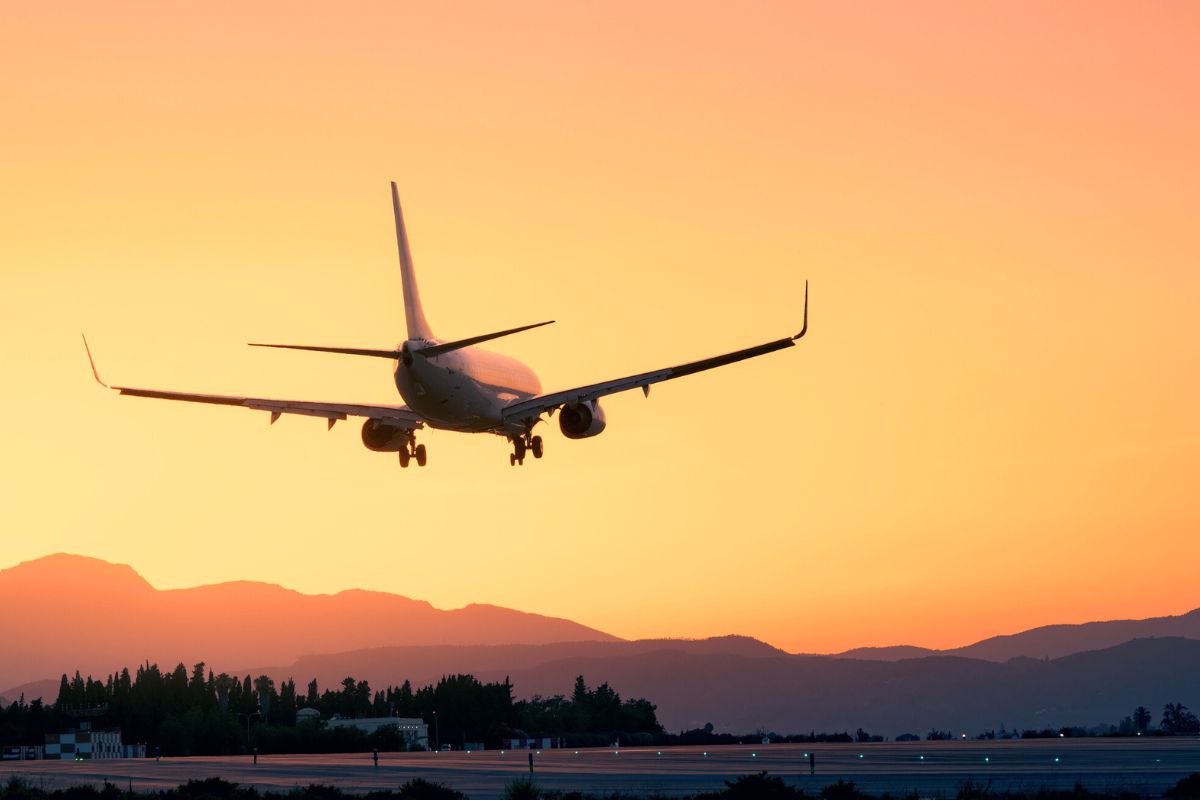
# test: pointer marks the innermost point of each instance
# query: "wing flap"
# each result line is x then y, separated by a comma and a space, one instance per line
644, 380
536, 406
332, 411
400, 415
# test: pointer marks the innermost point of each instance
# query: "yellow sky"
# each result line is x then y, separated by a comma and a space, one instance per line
991, 425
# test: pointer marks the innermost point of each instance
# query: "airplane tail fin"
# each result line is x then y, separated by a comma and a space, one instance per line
414, 315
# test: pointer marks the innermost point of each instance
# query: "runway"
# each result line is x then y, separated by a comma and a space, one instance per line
1147, 765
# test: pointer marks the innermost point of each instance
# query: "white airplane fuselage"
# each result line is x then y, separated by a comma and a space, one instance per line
463, 390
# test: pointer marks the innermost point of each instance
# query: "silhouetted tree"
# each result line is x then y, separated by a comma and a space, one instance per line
1178, 721
264, 689
1186, 789
760, 787
225, 685
287, 703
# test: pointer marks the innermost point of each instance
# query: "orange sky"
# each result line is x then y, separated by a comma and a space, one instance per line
991, 426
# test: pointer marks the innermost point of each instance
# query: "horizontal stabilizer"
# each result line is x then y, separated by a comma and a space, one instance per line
348, 351
438, 349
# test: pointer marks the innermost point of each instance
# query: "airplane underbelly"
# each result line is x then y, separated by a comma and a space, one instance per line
447, 400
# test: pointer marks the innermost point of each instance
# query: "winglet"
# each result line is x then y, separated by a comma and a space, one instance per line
92, 361
803, 330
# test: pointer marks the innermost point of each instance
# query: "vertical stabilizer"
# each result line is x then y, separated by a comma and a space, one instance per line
418, 328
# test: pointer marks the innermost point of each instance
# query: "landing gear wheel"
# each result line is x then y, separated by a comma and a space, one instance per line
535, 445
420, 455
512, 459
404, 456
519, 449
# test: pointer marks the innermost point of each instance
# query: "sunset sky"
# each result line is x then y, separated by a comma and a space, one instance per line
991, 425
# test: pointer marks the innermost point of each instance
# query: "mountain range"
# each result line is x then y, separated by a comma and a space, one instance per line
85, 614
1048, 641
1051, 676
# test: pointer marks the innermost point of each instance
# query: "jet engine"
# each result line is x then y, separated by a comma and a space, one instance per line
384, 438
581, 420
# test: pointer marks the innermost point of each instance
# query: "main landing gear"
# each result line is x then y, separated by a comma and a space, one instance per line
412, 450
526, 443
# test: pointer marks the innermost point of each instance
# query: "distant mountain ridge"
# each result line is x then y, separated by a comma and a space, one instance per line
742, 685
83, 613
1048, 641
790, 694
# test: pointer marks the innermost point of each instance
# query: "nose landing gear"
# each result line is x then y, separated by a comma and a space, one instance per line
527, 443
412, 450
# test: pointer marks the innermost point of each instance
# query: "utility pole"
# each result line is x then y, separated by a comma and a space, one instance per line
248, 718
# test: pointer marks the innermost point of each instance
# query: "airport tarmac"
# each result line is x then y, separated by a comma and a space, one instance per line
1147, 765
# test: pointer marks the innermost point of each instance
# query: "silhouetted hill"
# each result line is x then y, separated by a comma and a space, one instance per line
893, 653
72, 612
422, 665
791, 694
743, 685
1054, 641
1048, 641
47, 689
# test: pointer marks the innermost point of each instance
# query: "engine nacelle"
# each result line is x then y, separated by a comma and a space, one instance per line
582, 420
384, 438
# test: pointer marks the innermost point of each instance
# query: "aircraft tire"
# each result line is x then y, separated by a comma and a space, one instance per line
404, 456
420, 454
536, 447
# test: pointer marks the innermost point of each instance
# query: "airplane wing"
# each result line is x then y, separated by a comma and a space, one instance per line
534, 407
401, 416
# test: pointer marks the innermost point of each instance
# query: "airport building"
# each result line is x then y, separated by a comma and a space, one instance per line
84, 744
413, 729
21, 753
541, 743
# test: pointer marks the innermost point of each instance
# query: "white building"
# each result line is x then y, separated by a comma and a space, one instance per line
84, 744
540, 743
21, 753
413, 729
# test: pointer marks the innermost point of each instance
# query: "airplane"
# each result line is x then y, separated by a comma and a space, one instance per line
452, 385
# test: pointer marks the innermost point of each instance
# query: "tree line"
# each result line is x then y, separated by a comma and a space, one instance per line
755, 786
199, 713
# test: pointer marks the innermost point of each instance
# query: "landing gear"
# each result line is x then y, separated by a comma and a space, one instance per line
412, 450
525, 443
